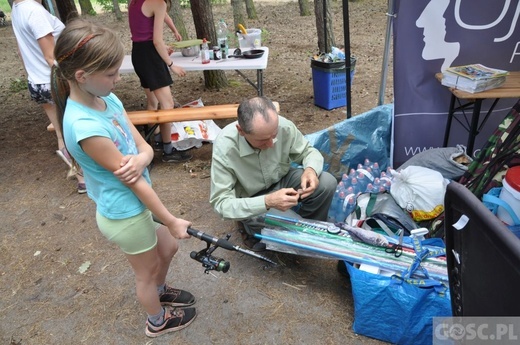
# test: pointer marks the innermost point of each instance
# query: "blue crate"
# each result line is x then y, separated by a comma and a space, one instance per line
329, 83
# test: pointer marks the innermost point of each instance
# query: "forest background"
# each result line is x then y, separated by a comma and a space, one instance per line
48, 231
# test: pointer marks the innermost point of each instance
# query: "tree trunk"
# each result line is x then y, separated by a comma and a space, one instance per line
324, 46
117, 10
205, 28
251, 10
67, 10
304, 8
86, 7
238, 16
176, 15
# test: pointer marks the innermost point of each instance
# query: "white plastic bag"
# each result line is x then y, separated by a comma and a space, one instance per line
420, 191
188, 134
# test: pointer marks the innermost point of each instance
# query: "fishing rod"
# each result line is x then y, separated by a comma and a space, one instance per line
212, 263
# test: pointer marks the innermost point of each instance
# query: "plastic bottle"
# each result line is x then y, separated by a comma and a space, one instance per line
362, 181
331, 216
371, 189
216, 53
222, 33
355, 186
338, 53
345, 179
340, 213
350, 206
223, 50
376, 171
204, 52
387, 185
377, 183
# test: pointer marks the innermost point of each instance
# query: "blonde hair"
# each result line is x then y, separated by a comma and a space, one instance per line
86, 46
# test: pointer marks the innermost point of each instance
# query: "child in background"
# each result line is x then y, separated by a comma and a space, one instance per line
114, 157
152, 64
36, 31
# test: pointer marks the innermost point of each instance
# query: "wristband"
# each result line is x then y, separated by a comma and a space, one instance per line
170, 65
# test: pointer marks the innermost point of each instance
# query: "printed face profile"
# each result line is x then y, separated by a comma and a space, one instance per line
434, 31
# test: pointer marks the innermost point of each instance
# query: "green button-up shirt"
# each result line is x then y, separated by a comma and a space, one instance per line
238, 171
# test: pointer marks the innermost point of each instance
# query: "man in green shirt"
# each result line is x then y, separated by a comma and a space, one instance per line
252, 170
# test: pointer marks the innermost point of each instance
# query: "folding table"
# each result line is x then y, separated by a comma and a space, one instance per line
510, 89
233, 63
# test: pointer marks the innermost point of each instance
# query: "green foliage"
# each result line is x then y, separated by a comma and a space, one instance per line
265, 36
186, 3
4, 6
107, 5
18, 85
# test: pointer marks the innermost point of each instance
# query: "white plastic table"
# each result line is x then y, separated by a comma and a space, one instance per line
195, 64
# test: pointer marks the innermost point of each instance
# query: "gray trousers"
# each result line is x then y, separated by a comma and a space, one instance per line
315, 206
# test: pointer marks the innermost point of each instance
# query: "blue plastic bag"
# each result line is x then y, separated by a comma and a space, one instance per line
398, 309
347, 143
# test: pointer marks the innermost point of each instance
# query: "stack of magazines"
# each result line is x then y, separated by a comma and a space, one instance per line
473, 78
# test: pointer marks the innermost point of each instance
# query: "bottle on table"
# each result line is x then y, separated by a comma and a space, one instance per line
222, 33
204, 51
216, 53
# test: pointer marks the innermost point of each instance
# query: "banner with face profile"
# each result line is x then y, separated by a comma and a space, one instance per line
432, 35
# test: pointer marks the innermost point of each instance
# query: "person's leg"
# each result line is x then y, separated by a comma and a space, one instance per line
44, 98
165, 99
138, 238
167, 246
170, 154
50, 110
151, 101
146, 269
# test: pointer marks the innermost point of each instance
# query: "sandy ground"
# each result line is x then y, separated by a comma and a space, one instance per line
48, 231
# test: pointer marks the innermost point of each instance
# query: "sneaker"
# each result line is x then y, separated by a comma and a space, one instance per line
176, 297
158, 146
65, 157
174, 320
82, 188
176, 156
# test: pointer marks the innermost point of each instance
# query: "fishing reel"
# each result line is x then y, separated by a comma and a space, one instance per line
212, 263
209, 262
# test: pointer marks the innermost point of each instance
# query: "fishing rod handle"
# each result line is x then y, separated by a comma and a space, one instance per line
210, 239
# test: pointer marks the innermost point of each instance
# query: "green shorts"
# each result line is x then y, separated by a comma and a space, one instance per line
134, 235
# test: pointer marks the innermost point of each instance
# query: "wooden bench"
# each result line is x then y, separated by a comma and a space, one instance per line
152, 118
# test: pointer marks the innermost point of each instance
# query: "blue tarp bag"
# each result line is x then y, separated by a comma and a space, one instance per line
347, 143
398, 309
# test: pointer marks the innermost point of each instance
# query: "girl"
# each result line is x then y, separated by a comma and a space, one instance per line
101, 138
152, 62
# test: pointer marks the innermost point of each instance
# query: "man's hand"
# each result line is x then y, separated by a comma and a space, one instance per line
309, 183
282, 199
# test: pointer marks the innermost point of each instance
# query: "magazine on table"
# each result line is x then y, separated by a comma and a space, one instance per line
473, 78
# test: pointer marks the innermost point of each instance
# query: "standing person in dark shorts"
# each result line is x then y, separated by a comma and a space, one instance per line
36, 31
152, 64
